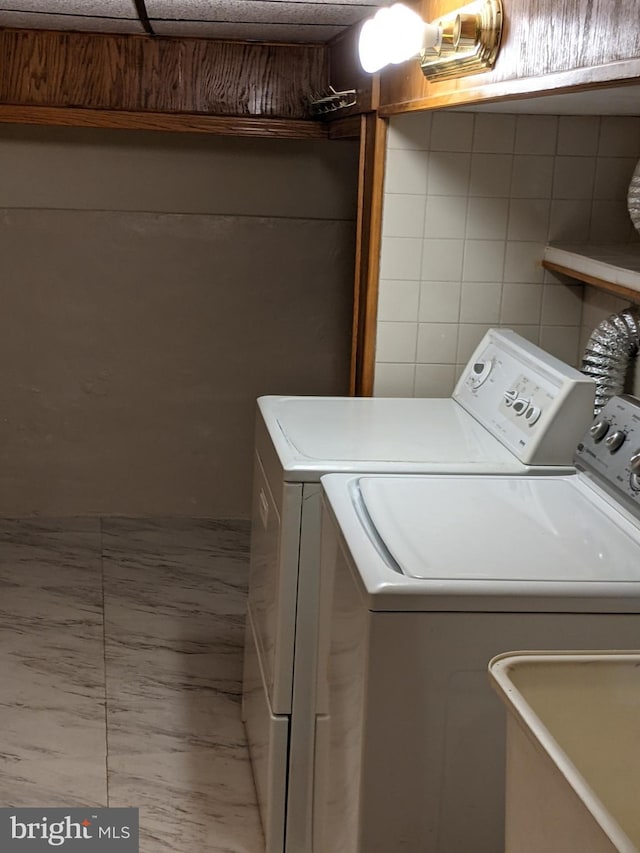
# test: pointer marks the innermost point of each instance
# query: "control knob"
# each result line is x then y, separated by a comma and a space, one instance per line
634, 462
510, 397
615, 440
521, 405
599, 430
480, 372
532, 415
634, 467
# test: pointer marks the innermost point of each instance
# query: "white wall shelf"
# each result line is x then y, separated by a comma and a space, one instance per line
613, 267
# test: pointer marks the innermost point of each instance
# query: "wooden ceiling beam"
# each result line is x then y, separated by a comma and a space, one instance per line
141, 74
269, 128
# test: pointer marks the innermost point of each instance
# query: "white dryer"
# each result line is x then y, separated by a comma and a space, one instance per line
424, 580
516, 409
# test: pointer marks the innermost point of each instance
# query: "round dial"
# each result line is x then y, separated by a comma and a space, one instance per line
615, 440
634, 468
521, 405
634, 462
599, 430
480, 372
532, 415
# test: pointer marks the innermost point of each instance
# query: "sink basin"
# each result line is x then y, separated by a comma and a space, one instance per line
573, 750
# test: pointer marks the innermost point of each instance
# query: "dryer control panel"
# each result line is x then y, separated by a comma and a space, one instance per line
610, 449
535, 404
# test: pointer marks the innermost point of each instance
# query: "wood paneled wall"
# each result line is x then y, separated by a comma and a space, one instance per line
154, 76
547, 46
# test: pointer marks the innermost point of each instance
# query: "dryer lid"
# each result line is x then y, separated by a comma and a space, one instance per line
538, 529
382, 434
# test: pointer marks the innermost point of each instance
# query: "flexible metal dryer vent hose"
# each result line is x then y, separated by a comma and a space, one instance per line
612, 345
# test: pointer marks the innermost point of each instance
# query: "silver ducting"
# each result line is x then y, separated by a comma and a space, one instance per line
612, 345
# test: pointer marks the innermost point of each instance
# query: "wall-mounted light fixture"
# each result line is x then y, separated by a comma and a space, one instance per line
462, 42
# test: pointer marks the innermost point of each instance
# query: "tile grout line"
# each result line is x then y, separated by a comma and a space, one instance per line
104, 658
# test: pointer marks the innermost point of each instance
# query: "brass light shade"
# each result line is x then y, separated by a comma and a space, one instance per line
470, 41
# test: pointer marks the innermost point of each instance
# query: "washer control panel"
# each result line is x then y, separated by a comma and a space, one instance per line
525, 403
610, 449
532, 402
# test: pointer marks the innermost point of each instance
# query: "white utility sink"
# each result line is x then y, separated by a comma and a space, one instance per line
573, 750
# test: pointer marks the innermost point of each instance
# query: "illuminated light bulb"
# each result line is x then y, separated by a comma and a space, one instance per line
394, 34
371, 46
403, 33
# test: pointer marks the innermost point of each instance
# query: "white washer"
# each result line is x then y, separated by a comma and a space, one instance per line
516, 409
424, 580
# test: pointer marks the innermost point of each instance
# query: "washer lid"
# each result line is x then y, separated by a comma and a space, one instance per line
382, 434
549, 530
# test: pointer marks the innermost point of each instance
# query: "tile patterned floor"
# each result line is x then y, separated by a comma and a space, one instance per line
120, 664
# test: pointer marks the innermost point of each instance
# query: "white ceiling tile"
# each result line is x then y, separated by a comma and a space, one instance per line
206, 10
258, 32
33, 20
306, 21
277, 12
98, 8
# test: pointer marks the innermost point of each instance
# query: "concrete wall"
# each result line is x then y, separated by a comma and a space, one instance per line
152, 286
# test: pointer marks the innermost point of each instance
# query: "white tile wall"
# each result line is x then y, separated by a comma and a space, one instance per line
470, 202
398, 301
451, 132
536, 134
578, 135
439, 301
